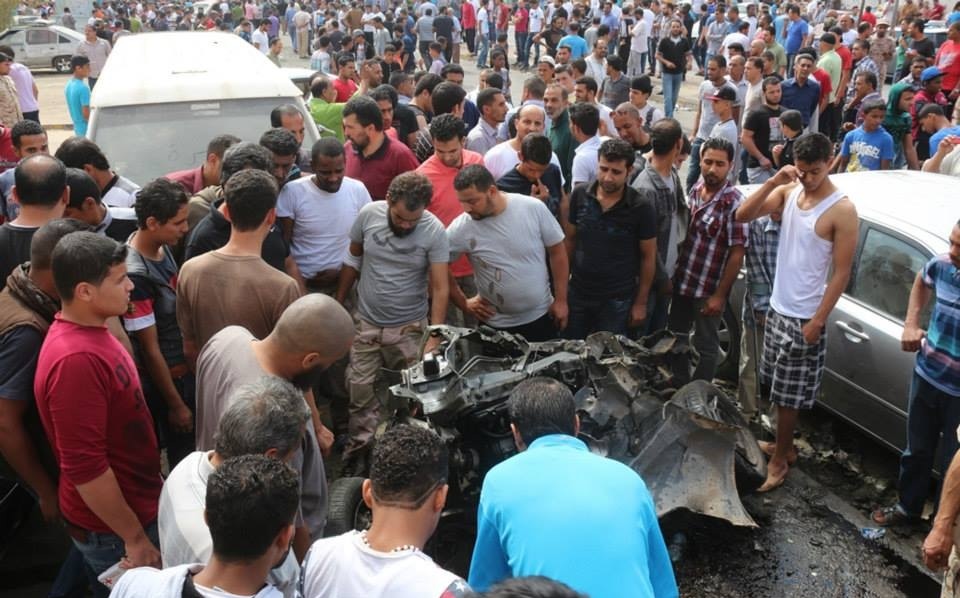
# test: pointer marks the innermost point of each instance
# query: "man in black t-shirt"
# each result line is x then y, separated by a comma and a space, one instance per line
921, 46
761, 132
612, 239
40, 187
535, 175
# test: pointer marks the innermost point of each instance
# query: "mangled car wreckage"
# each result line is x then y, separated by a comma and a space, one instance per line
691, 446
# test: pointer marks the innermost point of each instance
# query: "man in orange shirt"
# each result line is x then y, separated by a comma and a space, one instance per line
449, 133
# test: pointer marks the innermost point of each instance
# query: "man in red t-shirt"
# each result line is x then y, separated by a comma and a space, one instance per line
344, 83
91, 405
372, 157
948, 61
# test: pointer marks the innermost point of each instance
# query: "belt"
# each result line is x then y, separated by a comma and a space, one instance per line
77, 533
324, 277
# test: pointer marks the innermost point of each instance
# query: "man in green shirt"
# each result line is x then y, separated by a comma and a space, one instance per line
555, 102
326, 112
770, 39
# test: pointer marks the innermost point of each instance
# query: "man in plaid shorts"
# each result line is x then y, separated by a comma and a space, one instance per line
818, 228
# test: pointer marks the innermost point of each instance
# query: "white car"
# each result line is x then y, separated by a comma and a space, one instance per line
43, 46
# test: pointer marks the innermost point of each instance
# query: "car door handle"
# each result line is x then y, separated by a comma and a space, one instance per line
848, 329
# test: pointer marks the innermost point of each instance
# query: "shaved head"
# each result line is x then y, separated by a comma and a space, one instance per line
314, 323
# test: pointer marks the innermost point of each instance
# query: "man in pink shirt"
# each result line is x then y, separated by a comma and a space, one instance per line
449, 157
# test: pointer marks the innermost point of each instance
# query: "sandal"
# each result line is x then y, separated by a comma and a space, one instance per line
892, 516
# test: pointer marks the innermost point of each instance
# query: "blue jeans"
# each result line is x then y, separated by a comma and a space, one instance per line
483, 46
693, 172
102, 551
589, 315
931, 413
72, 579
521, 39
671, 91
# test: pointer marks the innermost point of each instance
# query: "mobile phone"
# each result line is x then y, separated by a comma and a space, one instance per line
110, 576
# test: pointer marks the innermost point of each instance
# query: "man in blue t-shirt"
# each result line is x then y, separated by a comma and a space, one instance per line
798, 34
77, 93
869, 146
578, 45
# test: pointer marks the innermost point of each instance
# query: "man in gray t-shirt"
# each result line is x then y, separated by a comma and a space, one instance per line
396, 247
509, 238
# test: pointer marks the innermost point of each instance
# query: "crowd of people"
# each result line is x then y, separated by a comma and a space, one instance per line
241, 315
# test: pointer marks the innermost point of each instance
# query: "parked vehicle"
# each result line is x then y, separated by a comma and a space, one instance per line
161, 97
41, 46
905, 219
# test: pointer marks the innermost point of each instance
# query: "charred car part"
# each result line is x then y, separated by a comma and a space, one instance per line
691, 447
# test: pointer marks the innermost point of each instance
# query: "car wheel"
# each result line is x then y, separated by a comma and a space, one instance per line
62, 64
347, 511
729, 358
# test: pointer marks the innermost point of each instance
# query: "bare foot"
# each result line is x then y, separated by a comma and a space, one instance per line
768, 449
775, 477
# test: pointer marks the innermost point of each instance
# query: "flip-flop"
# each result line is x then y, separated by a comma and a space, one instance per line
773, 483
768, 449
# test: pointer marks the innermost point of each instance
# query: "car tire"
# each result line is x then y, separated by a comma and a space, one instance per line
61, 64
750, 464
347, 511
729, 333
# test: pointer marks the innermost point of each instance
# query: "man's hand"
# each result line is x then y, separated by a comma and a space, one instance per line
785, 175
324, 439
559, 312
713, 306
638, 314
947, 144
812, 331
936, 549
480, 308
50, 507
431, 345
141, 553
180, 418
540, 191
777, 150
764, 163
912, 335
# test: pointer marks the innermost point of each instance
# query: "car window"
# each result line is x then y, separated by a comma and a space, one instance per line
12, 37
885, 273
65, 40
41, 36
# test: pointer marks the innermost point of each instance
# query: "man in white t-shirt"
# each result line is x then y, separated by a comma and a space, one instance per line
250, 505
584, 124
266, 417
509, 239
406, 490
260, 38
534, 27
316, 214
504, 156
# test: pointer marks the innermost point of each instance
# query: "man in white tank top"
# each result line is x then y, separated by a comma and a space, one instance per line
818, 229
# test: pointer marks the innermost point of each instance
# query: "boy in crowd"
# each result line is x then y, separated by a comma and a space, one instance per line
869, 146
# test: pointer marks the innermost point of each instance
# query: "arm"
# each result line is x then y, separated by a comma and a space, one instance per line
747, 139
439, 292
560, 273
286, 229
178, 413
884, 164
715, 303
648, 268
293, 271
920, 295
696, 122
844, 246
86, 113
937, 545
768, 198
455, 293
946, 146
350, 271
18, 449
324, 435
103, 496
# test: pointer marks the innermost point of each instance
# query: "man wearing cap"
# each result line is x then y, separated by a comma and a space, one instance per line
546, 68
726, 128
882, 46
10, 113
932, 81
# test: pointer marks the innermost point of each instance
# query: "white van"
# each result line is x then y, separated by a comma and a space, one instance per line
163, 96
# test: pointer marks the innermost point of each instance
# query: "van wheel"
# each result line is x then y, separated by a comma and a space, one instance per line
62, 64
347, 511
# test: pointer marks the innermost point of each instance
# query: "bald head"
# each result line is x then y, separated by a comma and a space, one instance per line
531, 110
40, 180
317, 324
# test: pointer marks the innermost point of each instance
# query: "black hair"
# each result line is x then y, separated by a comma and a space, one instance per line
40, 180
250, 499
161, 199
720, 61
280, 142
250, 195
928, 109
427, 83
474, 175
812, 148
871, 105
22, 128
77, 152
718, 143
495, 80
78, 61
451, 67
534, 86
277, 114
412, 189
617, 150
868, 77
384, 92
792, 118
616, 63
318, 85
486, 97
589, 82
579, 64
536, 148
220, 144
407, 464
345, 59
84, 257
399, 78
446, 97
81, 186
329, 147
586, 116
863, 43
366, 111
541, 406
245, 155
47, 237
642, 84
447, 127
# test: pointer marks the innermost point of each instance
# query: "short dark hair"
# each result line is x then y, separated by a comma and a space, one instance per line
446, 97
642, 84
399, 78
245, 155
384, 92
220, 144
84, 257
863, 43
871, 105
495, 80
160, 199
447, 127
664, 135
589, 82
412, 189
40, 180
250, 195
23, 128
718, 143
617, 150
868, 77
586, 116
280, 142
536, 148
812, 148
345, 59
534, 86
329, 147
47, 237
541, 406
792, 118
78, 61
77, 152
407, 463
451, 67
579, 64
486, 97
769, 82
474, 175
929, 109
366, 111
720, 61
277, 114
318, 85
81, 186
250, 499
427, 83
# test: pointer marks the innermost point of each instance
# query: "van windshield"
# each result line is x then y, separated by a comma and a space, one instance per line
150, 140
